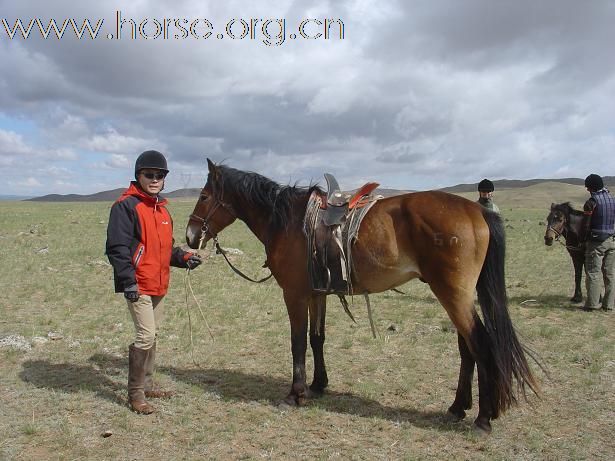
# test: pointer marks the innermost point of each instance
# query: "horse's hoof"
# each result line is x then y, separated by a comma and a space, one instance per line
295, 400
289, 401
285, 406
453, 417
576, 299
316, 391
481, 428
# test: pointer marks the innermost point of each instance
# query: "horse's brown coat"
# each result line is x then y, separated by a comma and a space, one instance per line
449, 242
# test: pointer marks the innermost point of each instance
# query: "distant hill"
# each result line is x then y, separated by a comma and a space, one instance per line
107, 196
539, 195
181, 193
112, 195
461, 189
517, 183
389, 192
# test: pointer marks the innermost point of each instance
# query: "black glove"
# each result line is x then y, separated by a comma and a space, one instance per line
193, 261
131, 293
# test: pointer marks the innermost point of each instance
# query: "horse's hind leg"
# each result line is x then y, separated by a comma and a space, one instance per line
318, 309
479, 345
485, 363
463, 397
459, 304
297, 308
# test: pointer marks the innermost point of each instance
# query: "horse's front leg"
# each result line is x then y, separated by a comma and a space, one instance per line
578, 259
318, 310
297, 308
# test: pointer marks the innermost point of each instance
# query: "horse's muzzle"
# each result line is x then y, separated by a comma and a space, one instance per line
192, 238
548, 241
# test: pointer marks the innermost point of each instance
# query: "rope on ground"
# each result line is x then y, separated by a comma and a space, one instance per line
188, 286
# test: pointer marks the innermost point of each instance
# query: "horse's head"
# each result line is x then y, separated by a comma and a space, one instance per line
211, 213
556, 223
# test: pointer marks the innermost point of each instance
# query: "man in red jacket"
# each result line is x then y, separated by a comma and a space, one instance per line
140, 249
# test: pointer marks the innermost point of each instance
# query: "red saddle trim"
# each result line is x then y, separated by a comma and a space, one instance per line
364, 190
355, 200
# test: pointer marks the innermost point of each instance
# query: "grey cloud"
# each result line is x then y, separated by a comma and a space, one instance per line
417, 94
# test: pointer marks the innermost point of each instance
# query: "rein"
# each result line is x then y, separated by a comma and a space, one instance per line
188, 286
219, 250
187, 283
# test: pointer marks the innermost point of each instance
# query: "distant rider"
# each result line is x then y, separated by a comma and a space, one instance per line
485, 195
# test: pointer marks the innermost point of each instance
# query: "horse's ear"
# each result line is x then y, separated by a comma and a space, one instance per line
213, 170
211, 166
552, 205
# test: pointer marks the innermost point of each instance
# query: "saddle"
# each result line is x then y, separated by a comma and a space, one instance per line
331, 223
339, 203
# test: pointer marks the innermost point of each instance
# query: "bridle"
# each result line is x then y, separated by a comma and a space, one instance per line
561, 233
205, 229
219, 203
557, 233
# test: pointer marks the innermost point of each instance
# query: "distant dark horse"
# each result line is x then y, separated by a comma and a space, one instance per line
452, 244
565, 221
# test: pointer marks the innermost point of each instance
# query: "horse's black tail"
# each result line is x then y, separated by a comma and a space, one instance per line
508, 359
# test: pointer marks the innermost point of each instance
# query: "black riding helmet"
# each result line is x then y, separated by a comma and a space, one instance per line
594, 182
151, 159
485, 186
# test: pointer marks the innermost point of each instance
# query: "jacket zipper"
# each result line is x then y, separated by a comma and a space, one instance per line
159, 239
139, 254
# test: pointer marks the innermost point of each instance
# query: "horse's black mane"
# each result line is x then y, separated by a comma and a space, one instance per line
262, 192
567, 208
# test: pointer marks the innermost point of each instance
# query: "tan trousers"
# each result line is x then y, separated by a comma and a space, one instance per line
147, 314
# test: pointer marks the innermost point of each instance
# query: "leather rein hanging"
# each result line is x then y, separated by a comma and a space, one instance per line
219, 250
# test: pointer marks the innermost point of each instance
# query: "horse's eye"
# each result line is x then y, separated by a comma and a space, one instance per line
204, 197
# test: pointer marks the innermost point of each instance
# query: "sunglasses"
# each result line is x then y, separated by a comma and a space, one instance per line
157, 176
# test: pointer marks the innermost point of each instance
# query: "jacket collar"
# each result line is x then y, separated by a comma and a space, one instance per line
601, 191
136, 191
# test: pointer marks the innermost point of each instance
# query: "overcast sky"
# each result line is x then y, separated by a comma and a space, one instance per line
417, 94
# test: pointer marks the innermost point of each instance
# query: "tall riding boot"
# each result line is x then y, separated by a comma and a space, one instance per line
151, 391
137, 359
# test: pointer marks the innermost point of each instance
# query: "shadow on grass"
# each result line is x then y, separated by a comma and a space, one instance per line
231, 385
545, 302
241, 386
72, 378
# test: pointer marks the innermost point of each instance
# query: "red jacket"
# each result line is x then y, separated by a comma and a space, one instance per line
140, 242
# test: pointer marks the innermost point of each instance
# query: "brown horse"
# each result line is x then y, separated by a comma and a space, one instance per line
453, 244
565, 221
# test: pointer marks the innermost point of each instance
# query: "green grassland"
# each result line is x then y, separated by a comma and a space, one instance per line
64, 384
